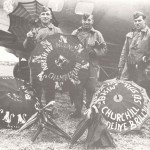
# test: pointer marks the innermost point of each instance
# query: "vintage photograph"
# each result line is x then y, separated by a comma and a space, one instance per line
74, 75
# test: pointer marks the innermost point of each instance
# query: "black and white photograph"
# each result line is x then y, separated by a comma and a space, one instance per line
74, 75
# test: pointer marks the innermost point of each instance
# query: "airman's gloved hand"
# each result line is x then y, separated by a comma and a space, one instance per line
145, 59
31, 33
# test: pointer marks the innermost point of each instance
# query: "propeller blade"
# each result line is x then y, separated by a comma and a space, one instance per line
57, 130
39, 130
29, 122
82, 126
98, 135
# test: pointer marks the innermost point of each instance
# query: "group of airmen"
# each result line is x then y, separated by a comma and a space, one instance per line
133, 63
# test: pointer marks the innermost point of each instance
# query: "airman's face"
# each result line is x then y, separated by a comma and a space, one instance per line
45, 17
87, 22
139, 23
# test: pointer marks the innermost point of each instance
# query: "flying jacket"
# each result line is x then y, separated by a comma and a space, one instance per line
137, 45
39, 34
92, 39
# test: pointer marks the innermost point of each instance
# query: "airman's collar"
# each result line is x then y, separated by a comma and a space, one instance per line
50, 26
92, 30
145, 29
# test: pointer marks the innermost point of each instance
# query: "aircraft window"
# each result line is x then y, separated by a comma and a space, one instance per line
56, 5
84, 7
